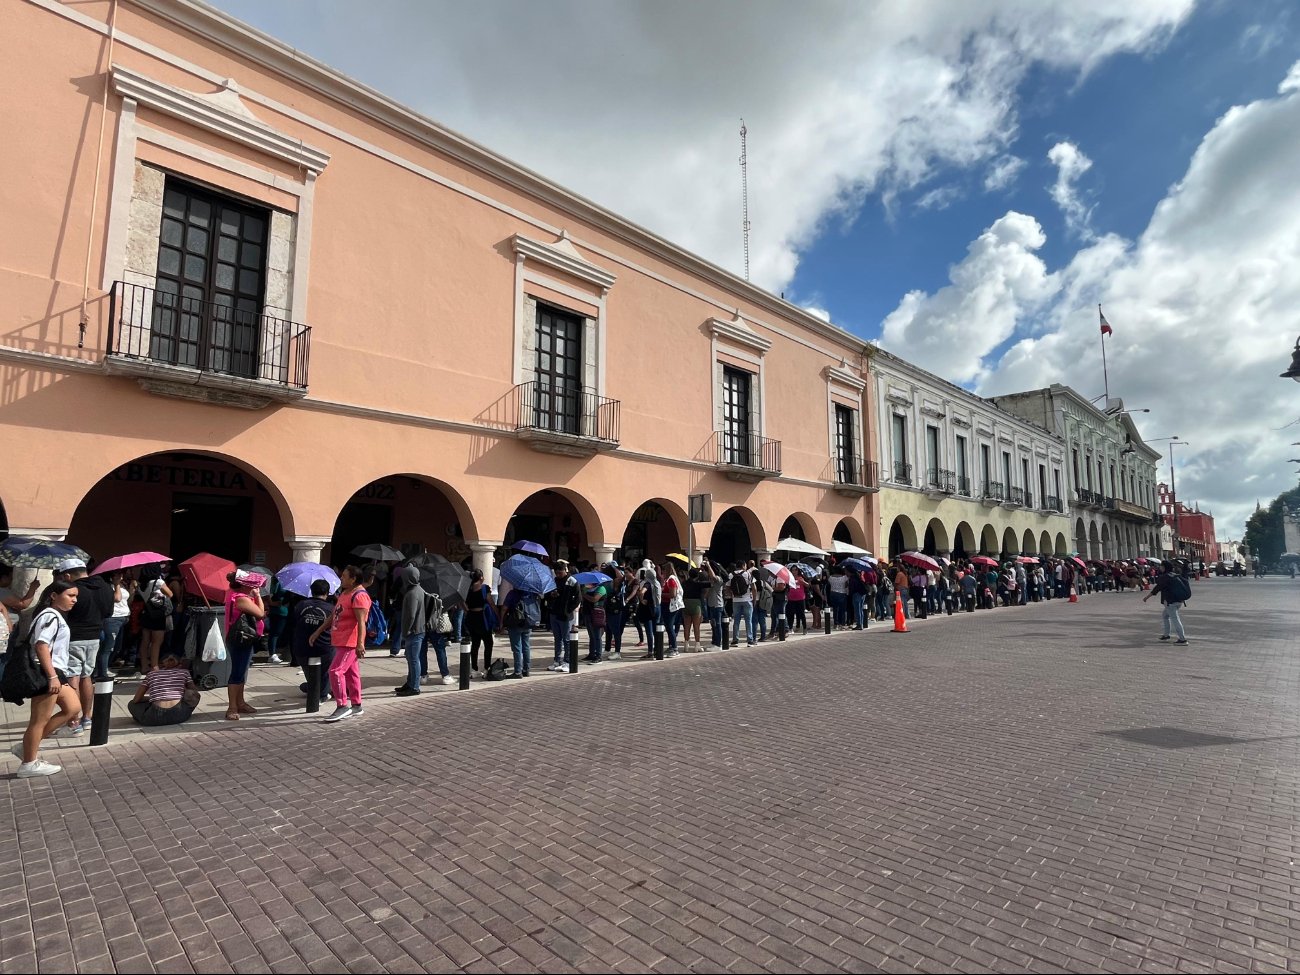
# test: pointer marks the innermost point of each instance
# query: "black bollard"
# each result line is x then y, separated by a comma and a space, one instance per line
948, 604
573, 655
103, 712
313, 684
726, 633
464, 667
659, 638
826, 619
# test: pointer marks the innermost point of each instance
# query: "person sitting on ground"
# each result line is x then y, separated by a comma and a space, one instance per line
165, 696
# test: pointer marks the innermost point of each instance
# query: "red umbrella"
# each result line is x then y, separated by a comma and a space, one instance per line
1027, 559
1079, 562
985, 560
206, 574
921, 561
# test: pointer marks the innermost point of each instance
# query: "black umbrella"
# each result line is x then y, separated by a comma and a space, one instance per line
447, 579
378, 552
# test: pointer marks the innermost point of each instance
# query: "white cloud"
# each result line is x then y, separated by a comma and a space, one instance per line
1292, 80
1070, 163
939, 198
1004, 171
1000, 280
1203, 301
636, 105
818, 312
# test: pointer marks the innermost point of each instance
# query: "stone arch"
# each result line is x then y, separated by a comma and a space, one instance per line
803, 527
902, 536
1027, 545
989, 541
736, 533
653, 536
1045, 543
542, 504
4, 520
963, 540
1010, 546
210, 499
1081, 538
1107, 551
849, 530
1094, 542
936, 540
1062, 546
399, 509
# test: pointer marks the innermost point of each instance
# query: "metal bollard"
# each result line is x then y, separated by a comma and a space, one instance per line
726, 633
103, 712
313, 684
464, 667
660, 637
573, 655
826, 620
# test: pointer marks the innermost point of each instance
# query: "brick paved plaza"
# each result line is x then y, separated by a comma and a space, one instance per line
1039, 789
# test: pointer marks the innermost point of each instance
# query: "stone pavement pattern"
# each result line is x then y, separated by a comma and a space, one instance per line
1039, 789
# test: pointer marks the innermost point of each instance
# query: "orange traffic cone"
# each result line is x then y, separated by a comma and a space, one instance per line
1074, 596
900, 623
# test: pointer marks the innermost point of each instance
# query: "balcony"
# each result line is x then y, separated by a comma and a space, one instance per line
853, 480
963, 486
1090, 499
1053, 503
567, 420
1128, 509
939, 483
993, 494
1014, 498
209, 351
902, 472
746, 457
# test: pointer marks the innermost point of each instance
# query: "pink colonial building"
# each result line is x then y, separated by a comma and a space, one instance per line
250, 306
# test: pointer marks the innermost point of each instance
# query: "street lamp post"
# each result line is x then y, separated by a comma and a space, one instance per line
1173, 487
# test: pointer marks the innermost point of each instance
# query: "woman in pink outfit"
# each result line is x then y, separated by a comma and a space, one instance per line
348, 636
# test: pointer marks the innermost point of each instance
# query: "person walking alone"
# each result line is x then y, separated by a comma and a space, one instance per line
1174, 591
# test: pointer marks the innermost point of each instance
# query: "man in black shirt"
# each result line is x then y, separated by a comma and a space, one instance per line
305, 619
85, 630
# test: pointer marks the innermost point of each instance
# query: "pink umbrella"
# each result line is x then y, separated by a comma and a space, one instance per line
1027, 559
985, 560
779, 573
921, 560
1079, 562
129, 561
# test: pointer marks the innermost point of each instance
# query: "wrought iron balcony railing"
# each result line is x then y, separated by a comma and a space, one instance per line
1052, 503
863, 475
747, 450
994, 491
567, 411
162, 328
1016, 495
902, 472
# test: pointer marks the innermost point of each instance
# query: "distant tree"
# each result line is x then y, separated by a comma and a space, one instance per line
1264, 536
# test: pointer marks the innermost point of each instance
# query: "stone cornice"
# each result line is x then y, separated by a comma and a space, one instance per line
738, 333
563, 256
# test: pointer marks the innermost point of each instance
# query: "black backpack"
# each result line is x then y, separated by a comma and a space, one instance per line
498, 671
21, 676
739, 585
615, 601
1177, 589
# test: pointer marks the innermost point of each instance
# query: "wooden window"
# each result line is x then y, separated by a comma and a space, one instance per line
737, 445
211, 281
846, 445
557, 372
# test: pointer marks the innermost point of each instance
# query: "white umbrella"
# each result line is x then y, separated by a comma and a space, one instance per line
844, 548
793, 544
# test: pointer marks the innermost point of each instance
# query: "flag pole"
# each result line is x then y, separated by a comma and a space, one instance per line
1104, 375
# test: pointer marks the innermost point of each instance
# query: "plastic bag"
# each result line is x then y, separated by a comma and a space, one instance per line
214, 648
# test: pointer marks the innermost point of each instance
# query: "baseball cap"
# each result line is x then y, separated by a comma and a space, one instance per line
67, 565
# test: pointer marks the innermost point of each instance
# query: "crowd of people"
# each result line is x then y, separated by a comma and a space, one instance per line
86, 623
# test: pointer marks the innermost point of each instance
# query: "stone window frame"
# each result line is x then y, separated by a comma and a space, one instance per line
848, 385
734, 343
532, 259
137, 185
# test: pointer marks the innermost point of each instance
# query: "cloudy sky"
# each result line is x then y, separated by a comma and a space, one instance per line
964, 182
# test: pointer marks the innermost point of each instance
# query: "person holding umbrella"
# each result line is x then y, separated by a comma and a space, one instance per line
245, 622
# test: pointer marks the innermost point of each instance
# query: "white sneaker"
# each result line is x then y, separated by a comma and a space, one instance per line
68, 731
275, 659
341, 712
616, 655
449, 679
30, 770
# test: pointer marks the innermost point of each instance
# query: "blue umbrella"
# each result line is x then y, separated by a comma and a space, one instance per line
857, 565
24, 552
527, 575
591, 578
532, 548
809, 571
297, 577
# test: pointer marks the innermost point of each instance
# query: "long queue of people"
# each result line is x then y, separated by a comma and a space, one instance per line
86, 623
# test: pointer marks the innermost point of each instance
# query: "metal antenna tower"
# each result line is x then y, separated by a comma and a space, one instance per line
744, 195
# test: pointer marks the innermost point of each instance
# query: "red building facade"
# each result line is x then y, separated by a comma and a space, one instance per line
1192, 530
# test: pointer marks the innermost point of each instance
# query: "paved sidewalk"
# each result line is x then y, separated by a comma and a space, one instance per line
1036, 789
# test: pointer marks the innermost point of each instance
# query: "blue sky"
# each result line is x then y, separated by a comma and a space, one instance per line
1138, 116
1170, 195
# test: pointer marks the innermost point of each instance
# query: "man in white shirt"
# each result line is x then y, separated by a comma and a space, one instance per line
741, 588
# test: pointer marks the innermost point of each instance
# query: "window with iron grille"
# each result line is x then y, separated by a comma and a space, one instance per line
899, 444
557, 371
211, 281
846, 444
736, 439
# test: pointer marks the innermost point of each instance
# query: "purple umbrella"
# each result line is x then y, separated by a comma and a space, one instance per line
297, 577
532, 548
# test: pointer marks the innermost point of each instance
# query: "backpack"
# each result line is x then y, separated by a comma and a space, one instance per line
1177, 590
436, 620
739, 585
376, 626
496, 672
616, 602
517, 615
22, 676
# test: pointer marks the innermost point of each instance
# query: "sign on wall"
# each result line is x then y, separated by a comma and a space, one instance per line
700, 508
